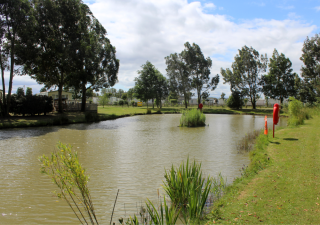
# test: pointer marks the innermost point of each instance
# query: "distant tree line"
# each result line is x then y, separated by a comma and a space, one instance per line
58, 43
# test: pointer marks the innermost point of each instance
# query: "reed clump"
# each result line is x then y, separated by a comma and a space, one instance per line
247, 142
192, 118
297, 113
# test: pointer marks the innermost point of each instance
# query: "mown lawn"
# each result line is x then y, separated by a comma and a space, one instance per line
287, 191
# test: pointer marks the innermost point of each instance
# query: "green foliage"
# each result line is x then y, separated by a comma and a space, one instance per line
20, 92
246, 71
115, 103
165, 215
67, 173
192, 118
279, 82
187, 189
91, 117
219, 184
247, 142
148, 111
173, 101
133, 103
297, 114
234, 101
103, 100
199, 69
121, 102
60, 120
223, 96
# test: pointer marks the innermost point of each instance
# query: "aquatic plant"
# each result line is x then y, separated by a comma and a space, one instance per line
67, 173
192, 118
247, 142
187, 189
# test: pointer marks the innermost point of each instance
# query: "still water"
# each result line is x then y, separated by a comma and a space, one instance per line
129, 154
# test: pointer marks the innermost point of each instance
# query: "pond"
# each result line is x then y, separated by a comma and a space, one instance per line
129, 154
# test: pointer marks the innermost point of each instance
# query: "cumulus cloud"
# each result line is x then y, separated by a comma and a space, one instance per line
152, 29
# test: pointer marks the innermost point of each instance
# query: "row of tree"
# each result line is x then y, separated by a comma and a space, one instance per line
246, 77
59, 43
187, 71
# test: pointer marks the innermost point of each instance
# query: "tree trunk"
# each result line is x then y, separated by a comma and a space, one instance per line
60, 94
83, 99
11, 73
185, 100
152, 103
4, 103
253, 103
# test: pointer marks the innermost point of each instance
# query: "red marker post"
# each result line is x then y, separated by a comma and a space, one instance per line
200, 106
276, 113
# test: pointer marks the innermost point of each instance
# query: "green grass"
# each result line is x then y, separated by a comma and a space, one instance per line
192, 118
281, 185
113, 112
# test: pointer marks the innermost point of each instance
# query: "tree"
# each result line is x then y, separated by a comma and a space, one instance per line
95, 57
245, 75
179, 76
20, 92
29, 91
235, 101
43, 89
223, 96
161, 88
119, 93
103, 99
199, 69
311, 69
130, 93
54, 42
279, 82
144, 84
16, 18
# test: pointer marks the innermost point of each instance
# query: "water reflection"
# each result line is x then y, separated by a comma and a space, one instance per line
129, 154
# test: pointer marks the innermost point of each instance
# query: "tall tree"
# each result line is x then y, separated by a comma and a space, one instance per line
279, 82
179, 76
56, 36
246, 72
15, 22
199, 69
144, 84
161, 88
95, 58
311, 69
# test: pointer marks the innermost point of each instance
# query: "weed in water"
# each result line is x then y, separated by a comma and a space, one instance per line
192, 118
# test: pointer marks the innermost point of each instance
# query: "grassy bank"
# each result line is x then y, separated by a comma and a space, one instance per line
112, 112
282, 183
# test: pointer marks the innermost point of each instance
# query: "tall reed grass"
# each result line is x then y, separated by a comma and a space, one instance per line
192, 118
247, 142
297, 112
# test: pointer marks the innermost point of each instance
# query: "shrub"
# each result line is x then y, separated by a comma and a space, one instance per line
91, 117
187, 189
297, 114
121, 102
158, 111
115, 103
192, 118
173, 101
148, 111
235, 101
133, 103
60, 120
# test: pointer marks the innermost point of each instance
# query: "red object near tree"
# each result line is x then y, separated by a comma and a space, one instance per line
276, 112
200, 106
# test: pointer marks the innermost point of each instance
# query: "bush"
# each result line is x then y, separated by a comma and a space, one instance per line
192, 118
60, 120
91, 117
297, 114
121, 102
173, 101
148, 111
31, 104
235, 101
158, 111
115, 103
133, 103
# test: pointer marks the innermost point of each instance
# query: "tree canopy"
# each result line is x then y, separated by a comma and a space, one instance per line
246, 71
279, 82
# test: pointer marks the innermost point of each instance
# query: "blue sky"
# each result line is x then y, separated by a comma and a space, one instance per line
150, 30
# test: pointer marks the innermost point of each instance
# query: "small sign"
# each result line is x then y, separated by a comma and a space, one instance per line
139, 103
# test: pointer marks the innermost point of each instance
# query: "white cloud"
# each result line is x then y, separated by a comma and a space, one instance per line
317, 8
286, 7
152, 29
209, 5
293, 15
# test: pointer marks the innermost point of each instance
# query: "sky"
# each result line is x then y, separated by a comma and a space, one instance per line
150, 30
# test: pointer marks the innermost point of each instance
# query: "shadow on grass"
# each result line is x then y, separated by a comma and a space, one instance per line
290, 139
275, 142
